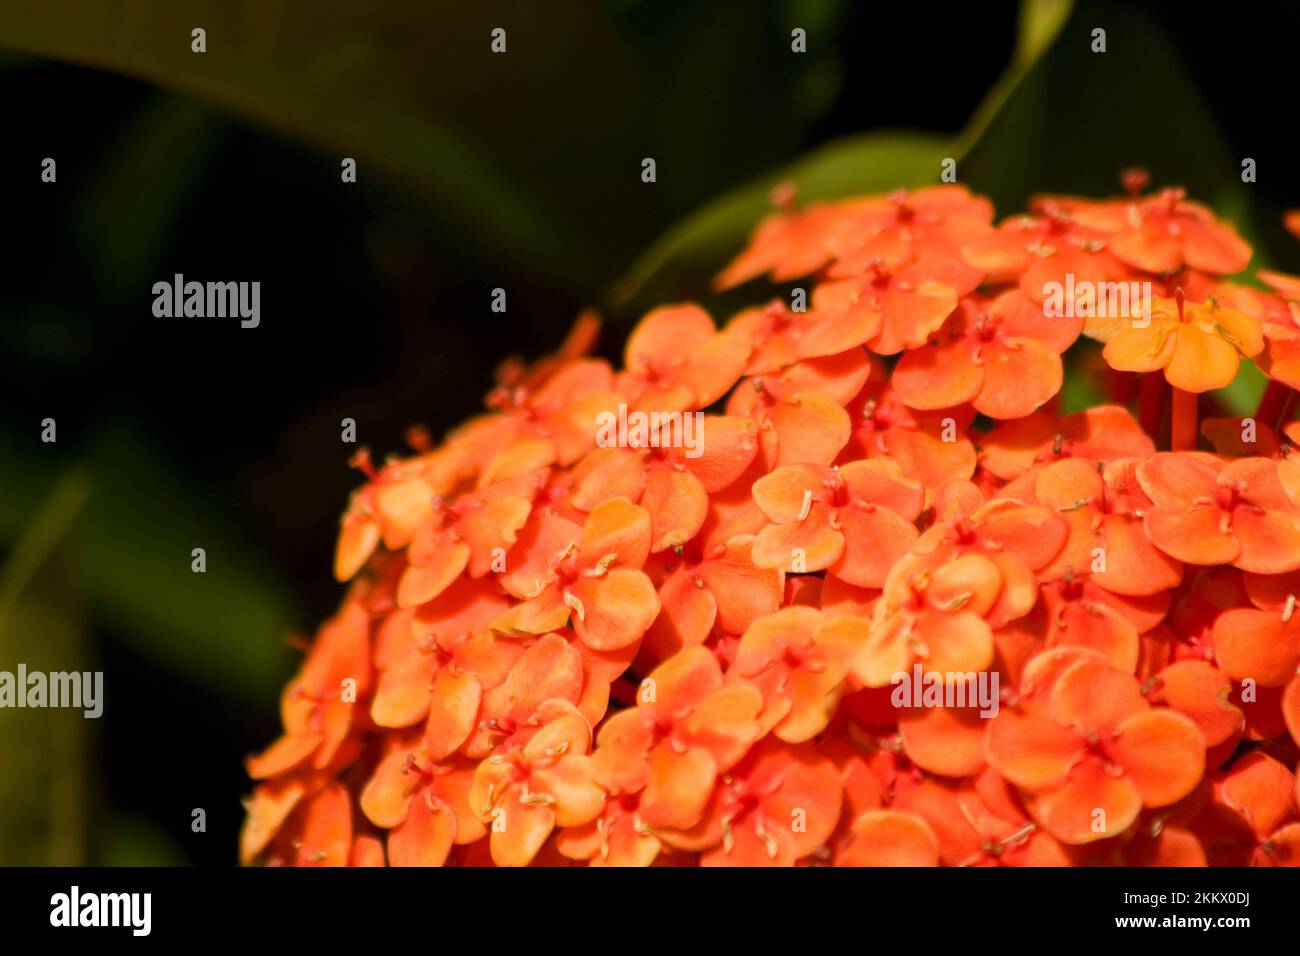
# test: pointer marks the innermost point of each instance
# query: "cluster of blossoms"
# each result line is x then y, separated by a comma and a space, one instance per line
553, 652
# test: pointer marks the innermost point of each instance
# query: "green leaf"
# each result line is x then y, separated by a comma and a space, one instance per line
681, 261
45, 793
331, 76
137, 841
1242, 396
1082, 385
224, 629
1063, 129
1040, 23
691, 252
136, 197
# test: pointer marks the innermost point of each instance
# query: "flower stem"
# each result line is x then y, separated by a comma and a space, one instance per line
1273, 404
1122, 387
1182, 427
1151, 403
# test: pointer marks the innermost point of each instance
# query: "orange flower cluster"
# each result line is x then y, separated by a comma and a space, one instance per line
891, 608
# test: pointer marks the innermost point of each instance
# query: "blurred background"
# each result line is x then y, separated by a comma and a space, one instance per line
475, 171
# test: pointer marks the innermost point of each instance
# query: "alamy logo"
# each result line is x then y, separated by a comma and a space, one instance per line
651, 430
103, 909
209, 300
923, 688
1098, 300
60, 689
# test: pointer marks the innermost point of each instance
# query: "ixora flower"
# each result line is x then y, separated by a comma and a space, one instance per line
847, 585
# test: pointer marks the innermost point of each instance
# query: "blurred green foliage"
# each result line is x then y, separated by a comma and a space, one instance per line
47, 756
420, 104
680, 262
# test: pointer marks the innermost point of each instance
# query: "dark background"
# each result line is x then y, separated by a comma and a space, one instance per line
190, 433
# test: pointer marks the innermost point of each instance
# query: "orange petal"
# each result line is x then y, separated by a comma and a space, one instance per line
686, 616
667, 333
1196, 537
617, 527
713, 368
621, 760
881, 482
960, 643
1094, 697
1172, 846
809, 545
453, 710
544, 613
783, 494
747, 848
813, 697
943, 740
1064, 484
889, 838
493, 530
679, 787
728, 444
1213, 246
1178, 482
401, 695
366, 851
271, 804
529, 569
885, 652
425, 837
911, 315
767, 640
1018, 317
743, 591
424, 582
569, 781
321, 828
387, 794
1098, 627
1270, 540
607, 473
874, 539
810, 428
724, 724
1151, 247
677, 504
519, 830
1260, 789
551, 667
1291, 714
1134, 566
618, 608
1201, 361
1201, 691
1162, 752
1092, 805
1257, 645
1019, 376
807, 792
283, 755
403, 506
358, 538
1034, 534
938, 376
684, 680
960, 842
1146, 349
851, 318
1030, 749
